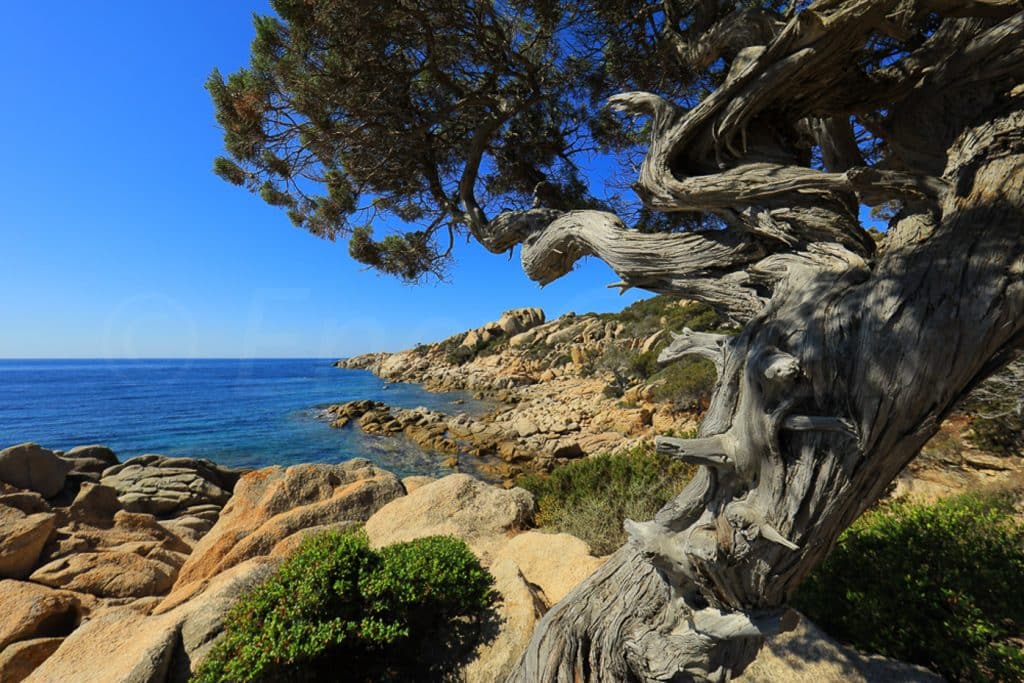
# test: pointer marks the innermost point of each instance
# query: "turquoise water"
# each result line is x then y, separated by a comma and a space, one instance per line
243, 413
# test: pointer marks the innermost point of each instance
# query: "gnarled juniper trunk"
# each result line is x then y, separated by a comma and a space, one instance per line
822, 399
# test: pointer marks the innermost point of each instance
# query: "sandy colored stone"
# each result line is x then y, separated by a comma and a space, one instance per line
109, 574
33, 611
482, 515
119, 645
271, 504
17, 661
414, 482
30, 466
556, 563
517, 612
808, 655
22, 538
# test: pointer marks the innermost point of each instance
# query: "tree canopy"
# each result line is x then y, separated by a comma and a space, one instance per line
441, 114
753, 134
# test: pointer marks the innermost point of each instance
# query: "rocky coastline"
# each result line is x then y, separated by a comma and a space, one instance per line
564, 389
114, 571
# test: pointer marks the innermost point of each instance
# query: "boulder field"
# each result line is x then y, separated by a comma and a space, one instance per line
125, 572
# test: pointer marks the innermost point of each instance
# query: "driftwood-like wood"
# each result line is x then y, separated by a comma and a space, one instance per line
848, 358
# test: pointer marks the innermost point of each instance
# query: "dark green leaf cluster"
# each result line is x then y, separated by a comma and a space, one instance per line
590, 498
937, 585
434, 112
406, 611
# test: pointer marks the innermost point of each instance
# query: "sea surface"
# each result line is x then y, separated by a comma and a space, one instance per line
242, 413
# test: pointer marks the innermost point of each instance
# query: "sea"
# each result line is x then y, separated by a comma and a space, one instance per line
242, 413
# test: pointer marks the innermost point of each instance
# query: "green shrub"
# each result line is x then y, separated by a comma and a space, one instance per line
590, 498
659, 312
686, 384
938, 585
407, 611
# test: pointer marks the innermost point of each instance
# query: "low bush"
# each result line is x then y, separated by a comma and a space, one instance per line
686, 384
409, 611
938, 585
590, 498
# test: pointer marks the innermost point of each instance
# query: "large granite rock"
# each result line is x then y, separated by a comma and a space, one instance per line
22, 538
113, 573
201, 619
120, 645
272, 504
553, 563
808, 655
101, 549
30, 466
519, 610
482, 515
167, 487
19, 660
32, 611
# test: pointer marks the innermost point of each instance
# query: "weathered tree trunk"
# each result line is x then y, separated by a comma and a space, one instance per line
822, 399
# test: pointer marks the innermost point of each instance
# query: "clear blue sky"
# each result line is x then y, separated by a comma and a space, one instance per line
118, 241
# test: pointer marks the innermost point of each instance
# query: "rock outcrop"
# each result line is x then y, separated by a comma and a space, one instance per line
32, 467
568, 388
21, 544
272, 504
170, 487
459, 505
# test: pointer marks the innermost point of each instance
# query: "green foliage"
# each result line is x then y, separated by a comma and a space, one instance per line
937, 585
686, 384
406, 611
590, 498
664, 312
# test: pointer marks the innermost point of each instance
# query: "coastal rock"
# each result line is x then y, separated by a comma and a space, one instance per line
164, 487
201, 619
22, 538
92, 453
100, 549
113, 573
28, 502
554, 563
271, 504
458, 505
519, 611
30, 466
33, 611
808, 655
520, 320
19, 660
414, 482
120, 645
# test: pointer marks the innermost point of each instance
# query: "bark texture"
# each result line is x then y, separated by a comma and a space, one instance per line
848, 358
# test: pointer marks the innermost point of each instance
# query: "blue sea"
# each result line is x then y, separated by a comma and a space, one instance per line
242, 413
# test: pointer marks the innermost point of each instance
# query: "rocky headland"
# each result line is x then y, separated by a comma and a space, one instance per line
565, 389
125, 572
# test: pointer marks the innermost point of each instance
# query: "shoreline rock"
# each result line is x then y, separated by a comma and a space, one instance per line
118, 595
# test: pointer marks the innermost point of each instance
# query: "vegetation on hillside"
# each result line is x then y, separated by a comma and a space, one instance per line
936, 585
590, 498
406, 612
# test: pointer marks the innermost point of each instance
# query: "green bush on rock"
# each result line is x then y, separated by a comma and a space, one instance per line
590, 498
937, 585
406, 611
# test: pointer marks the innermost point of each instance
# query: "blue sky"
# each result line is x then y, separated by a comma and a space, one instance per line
118, 241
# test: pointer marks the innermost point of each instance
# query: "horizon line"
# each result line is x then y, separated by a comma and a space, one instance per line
105, 358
